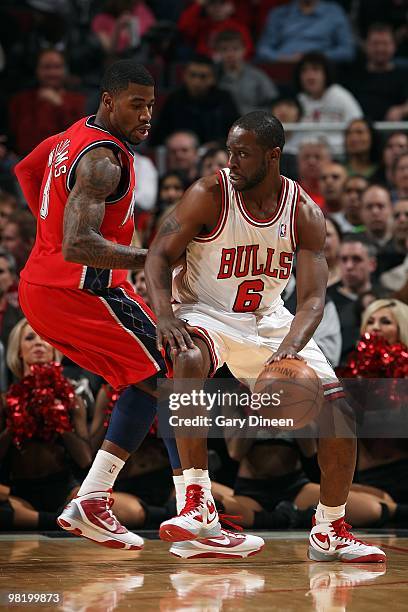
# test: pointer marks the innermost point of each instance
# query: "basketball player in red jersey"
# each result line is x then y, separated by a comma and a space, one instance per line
240, 230
73, 290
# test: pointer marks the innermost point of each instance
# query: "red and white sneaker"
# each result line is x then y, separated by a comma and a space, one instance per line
335, 542
198, 518
90, 516
229, 545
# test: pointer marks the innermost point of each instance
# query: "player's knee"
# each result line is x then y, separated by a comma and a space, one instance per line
337, 419
189, 364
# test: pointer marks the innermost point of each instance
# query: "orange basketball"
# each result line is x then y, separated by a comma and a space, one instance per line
295, 390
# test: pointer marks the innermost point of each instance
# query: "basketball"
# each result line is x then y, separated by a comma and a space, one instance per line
300, 393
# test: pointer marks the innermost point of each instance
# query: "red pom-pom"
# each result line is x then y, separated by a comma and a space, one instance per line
374, 357
40, 405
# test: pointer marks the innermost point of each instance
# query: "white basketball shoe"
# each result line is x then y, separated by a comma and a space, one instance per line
335, 542
229, 545
198, 518
91, 517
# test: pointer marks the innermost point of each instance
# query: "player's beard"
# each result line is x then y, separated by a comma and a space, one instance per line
255, 179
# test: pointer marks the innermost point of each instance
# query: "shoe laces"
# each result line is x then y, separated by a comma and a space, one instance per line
108, 512
226, 519
194, 498
342, 531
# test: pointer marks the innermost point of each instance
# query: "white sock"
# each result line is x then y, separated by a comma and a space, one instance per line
180, 492
327, 514
198, 477
102, 474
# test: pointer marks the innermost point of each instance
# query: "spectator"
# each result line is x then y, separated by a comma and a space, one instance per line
392, 258
182, 154
8, 205
331, 185
327, 334
400, 178
199, 105
213, 160
376, 215
361, 148
8, 160
122, 24
9, 314
312, 155
357, 261
383, 462
147, 177
250, 87
331, 250
349, 217
322, 100
139, 284
395, 144
171, 188
306, 25
379, 86
48, 109
400, 226
40, 469
18, 236
288, 110
201, 22
392, 12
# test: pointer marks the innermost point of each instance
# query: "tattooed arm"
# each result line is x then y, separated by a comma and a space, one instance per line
97, 177
199, 207
311, 279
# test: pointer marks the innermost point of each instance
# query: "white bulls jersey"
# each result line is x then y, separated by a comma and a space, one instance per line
245, 263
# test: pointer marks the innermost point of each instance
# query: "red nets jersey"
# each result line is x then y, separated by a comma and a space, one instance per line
46, 264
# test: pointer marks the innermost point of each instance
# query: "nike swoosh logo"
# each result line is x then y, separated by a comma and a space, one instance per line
219, 541
211, 519
211, 512
106, 525
319, 543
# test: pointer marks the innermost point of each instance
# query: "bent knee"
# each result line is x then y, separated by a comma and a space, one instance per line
190, 363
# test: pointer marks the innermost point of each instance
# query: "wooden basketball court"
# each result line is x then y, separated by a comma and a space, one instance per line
86, 577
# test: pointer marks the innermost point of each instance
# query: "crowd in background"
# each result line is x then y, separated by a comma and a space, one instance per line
342, 62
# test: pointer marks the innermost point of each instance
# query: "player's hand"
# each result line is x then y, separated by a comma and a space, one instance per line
175, 332
284, 353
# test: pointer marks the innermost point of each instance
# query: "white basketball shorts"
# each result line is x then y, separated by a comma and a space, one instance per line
245, 341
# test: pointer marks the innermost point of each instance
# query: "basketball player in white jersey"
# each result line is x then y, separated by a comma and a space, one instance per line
240, 230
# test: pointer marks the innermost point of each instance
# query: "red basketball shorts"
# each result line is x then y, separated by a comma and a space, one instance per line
110, 332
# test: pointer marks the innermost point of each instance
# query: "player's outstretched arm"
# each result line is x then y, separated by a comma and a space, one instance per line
178, 229
311, 279
97, 177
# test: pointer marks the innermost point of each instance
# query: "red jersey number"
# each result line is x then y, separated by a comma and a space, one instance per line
249, 296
